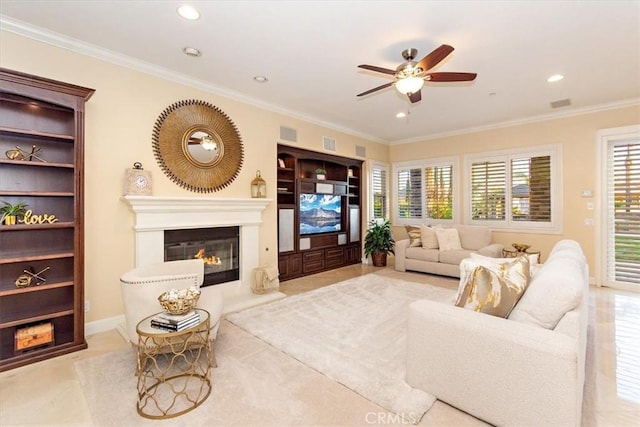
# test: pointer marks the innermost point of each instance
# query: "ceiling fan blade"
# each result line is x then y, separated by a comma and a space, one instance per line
386, 85
434, 58
415, 97
378, 69
451, 77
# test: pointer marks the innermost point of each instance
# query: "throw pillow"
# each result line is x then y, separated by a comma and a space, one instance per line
448, 239
429, 238
533, 259
495, 290
414, 236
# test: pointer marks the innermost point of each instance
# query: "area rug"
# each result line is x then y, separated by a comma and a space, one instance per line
354, 332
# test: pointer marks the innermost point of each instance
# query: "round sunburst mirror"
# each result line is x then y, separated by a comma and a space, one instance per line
197, 146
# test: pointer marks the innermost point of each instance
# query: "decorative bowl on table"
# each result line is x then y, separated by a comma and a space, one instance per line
179, 301
520, 247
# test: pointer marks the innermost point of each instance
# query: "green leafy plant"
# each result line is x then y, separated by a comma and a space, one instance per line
379, 238
12, 210
321, 171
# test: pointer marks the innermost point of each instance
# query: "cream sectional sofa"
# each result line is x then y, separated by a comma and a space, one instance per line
525, 370
427, 259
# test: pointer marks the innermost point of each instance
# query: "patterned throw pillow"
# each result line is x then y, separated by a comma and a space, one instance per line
414, 236
493, 290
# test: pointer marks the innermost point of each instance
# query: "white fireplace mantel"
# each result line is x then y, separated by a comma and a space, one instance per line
154, 215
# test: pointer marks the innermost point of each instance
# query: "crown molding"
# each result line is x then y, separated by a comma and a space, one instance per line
516, 122
40, 34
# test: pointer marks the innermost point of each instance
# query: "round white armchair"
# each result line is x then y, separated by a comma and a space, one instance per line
141, 287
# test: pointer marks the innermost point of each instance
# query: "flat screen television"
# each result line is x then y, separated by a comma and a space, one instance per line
320, 213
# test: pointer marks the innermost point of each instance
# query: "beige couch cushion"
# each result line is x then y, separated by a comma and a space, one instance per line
474, 237
429, 237
554, 290
453, 257
422, 254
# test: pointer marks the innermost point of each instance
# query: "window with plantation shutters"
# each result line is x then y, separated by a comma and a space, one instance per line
518, 189
488, 182
439, 192
425, 191
379, 191
623, 211
531, 189
409, 193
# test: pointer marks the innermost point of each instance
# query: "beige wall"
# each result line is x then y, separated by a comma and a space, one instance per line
120, 119
119, 123
576, 135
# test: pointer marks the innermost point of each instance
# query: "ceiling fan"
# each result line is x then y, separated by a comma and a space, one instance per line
411, 75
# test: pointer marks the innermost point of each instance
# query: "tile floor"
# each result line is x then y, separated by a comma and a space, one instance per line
48, 394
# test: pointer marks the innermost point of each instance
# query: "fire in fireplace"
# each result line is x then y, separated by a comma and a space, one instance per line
218, 247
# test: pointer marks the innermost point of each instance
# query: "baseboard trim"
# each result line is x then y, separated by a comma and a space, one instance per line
103, 325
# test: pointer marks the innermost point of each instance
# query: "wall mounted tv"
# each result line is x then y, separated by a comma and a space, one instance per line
320, 213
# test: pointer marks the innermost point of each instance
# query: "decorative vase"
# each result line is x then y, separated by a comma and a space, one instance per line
10, 220
379, 259
320, 176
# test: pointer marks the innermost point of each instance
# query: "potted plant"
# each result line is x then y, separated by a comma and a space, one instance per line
379, 242
10, 212
321, 173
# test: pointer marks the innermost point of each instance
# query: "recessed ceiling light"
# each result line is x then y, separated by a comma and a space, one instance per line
188, 12
191, 51
401, 115
261, 79
555, 78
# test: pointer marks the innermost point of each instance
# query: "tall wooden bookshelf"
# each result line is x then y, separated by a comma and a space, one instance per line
301, 254
46, 118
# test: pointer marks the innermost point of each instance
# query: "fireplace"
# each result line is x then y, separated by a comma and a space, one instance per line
154, 215
218, 247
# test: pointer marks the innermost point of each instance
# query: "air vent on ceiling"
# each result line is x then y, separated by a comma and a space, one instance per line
328, 144
361, 151
561, 103
288, 134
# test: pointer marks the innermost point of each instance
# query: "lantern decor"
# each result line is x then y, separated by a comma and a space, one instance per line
258, 187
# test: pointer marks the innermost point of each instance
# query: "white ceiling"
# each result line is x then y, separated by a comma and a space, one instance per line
310, 50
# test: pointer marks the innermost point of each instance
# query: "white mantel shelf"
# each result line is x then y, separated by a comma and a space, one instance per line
155, 214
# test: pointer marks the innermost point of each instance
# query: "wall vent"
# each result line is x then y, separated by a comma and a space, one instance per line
288, 134
361, 151
561, 103
328, 144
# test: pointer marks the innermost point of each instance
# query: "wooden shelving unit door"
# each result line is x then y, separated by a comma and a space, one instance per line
47, 115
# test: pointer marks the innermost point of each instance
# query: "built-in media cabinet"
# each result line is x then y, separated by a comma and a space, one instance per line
319, 215
42, 254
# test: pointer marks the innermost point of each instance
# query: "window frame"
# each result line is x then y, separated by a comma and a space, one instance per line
554, 226
454, 162
373, 165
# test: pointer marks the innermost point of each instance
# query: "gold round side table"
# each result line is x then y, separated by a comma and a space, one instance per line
174, 368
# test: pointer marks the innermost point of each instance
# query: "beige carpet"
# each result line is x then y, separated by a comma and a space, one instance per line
354, 332
255, 384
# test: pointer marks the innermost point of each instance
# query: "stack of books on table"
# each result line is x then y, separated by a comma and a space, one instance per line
175, 322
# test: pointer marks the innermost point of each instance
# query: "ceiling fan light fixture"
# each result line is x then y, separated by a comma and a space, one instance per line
409, 85
191, 51
188, 12
555, 78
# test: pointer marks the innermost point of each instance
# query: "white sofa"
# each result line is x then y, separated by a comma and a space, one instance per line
526, 370
473, 239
